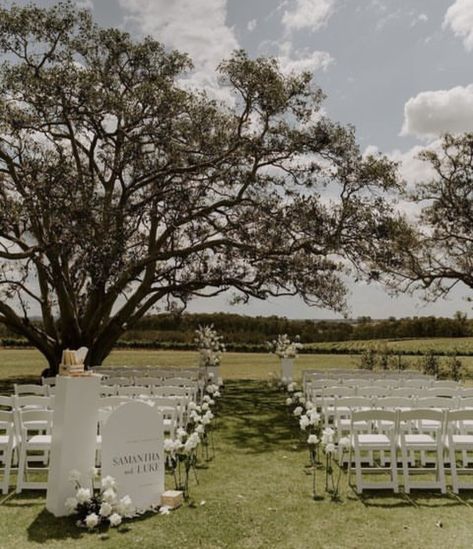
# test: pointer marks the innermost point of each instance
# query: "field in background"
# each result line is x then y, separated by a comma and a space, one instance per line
439, 345
27, 364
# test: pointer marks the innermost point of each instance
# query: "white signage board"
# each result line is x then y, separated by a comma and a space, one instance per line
133, 452
74, 437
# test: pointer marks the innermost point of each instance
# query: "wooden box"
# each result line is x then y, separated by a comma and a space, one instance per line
172, 498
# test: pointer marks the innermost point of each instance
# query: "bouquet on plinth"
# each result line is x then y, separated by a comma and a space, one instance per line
284, 347
210, 346
101, 507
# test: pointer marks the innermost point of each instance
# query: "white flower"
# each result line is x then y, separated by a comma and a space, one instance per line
304, 422
327, 435
284, 378
291, 387
191, 406
91, 521
109, 495
200, 429
74, 475
313, 439
115, 519
330, 448
205, 406
181, 433
211, 402
83, 495
70, 505
169, 445
288, 401
217, 394
298, 395
308, 405
344, 442
108, 482
298, 411
314, 417
105, 509
206, 398
125, 507
164, 510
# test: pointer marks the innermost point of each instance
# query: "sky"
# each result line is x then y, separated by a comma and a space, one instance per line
399, 71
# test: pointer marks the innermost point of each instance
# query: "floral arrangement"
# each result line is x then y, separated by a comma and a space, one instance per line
181, 453
210, 346
310, 423
98, 507
283, 347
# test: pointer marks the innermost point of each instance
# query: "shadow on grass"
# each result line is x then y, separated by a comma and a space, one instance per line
385, 499
46, 527
255, 418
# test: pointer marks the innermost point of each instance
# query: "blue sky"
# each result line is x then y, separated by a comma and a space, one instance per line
399, 71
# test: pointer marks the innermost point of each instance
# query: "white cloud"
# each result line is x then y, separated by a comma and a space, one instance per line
302, 60
459, 17
311, 14
432, 113
251, 26
197, 27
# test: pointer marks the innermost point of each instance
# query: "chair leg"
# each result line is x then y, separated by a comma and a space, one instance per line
349, 465
405, 469
441, 471
453, 468
393, 458
358, 476
21, 470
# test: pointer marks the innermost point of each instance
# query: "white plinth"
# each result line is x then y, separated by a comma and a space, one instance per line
73, 437
287, 368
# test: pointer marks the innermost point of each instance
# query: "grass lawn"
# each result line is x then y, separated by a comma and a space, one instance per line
255, 493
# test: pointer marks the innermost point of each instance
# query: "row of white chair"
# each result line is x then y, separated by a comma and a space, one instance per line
441, 432
367, 382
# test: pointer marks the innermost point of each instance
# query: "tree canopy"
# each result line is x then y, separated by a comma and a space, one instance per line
122, 190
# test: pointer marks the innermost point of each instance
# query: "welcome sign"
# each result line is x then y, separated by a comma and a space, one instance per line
133, 452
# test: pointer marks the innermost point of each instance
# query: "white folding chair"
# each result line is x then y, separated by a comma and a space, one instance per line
329, 396
413, 437
133, 391
7, 446
33, 441
459, 439
373, 391
465, 392
30, 389
373, 441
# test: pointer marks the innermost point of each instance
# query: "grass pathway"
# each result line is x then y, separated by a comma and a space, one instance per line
255, 494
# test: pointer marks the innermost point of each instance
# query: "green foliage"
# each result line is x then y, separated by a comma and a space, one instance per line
368, 360
430, 364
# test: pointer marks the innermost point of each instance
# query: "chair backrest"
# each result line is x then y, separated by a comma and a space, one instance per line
30, 389
394, 403
446, 383
148, 381
455, 420
386, 383
167, 390
418, 414
407, 391
112, 401
180, 382
465, 392
121, 381
465, 402
133, 391
442, 403
29, 419
373, 391
51, 381
7, 403
418, 382
338, 391
371, 420
33, 402
441, 391
108, 390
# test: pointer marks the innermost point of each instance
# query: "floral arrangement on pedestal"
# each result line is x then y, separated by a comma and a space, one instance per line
284, 347
210, 346
100, 507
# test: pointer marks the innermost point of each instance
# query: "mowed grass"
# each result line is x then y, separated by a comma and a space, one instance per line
256, 492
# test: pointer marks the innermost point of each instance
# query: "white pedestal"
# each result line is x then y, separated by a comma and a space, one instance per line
287, 368
73, 438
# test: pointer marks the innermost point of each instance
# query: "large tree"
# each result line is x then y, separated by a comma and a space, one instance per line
121, 190
434, 251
